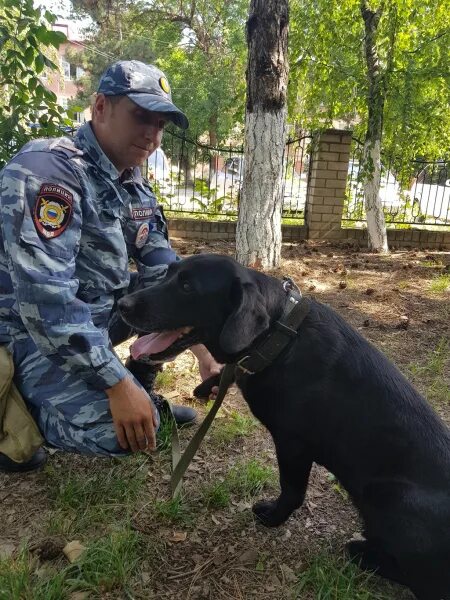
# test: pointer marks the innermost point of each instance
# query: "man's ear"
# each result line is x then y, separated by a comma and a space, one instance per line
247, 320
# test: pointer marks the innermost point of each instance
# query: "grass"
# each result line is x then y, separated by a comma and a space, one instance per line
440, 284
433, 373
403, 284
331, 578
106, 565
83, 500
216, 495
174, 511
433, 264
249, 478
164, 434
236, 425
166, 379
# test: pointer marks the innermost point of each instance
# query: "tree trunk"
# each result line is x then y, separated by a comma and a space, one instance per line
258, 235
371, 164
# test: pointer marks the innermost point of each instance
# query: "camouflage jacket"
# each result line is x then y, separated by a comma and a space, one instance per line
69, 225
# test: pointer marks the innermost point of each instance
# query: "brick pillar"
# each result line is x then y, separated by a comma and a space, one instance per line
327, 183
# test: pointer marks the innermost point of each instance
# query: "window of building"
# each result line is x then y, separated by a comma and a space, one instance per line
70, 70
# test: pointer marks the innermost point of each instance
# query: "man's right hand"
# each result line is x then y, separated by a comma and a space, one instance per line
134, 416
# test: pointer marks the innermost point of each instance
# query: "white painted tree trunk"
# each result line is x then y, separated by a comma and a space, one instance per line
376, 224
258, 235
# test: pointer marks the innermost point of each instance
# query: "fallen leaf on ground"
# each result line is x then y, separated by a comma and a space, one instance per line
178, 536
73, 550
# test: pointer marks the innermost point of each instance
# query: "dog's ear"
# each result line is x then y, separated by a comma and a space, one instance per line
248, 319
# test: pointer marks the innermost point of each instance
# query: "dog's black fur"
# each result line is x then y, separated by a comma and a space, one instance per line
330, 398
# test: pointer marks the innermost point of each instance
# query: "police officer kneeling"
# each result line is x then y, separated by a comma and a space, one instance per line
72, 214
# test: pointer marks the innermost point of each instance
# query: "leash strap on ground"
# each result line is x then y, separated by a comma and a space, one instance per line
181, 463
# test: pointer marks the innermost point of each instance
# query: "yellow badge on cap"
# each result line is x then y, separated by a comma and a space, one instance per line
164, 84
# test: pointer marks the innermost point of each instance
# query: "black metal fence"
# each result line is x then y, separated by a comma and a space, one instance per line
192, 178
412, 193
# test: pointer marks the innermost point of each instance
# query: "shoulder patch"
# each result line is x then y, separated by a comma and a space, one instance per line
52, 211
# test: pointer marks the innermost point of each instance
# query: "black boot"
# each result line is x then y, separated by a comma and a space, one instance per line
38, 460
146, 375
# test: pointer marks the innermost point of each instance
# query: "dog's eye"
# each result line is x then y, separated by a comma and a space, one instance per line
187, 287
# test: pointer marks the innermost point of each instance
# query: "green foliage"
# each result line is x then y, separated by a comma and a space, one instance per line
236, 425
83, 500
216, 495
332, 578
249, 478
329, 74
432, 376
200, 46
174, 511
26, 45
106, 565
441, 283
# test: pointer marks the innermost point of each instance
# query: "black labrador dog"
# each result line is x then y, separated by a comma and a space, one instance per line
331, 398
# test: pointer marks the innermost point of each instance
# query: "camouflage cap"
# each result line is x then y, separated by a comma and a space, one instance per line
145, 85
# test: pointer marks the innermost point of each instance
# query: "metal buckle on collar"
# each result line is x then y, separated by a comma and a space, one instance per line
243, 369
289, 285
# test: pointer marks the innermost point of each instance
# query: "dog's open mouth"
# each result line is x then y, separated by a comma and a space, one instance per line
163, 344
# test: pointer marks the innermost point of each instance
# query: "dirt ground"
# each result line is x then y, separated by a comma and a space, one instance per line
211, 547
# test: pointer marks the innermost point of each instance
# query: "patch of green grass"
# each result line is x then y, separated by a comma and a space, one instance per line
433, 264
82, 500
174, 511
164, 434
441, 283
331, 578
249, 478
216, 495
433, 373
166, 379
337, 487
235, 425
106, 565
403, 285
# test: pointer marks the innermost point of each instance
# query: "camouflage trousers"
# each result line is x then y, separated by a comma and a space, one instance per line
70, 414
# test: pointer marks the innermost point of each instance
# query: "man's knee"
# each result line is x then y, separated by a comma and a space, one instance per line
73, 434
97, 439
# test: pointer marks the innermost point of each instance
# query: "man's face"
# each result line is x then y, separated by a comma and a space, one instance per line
127, 133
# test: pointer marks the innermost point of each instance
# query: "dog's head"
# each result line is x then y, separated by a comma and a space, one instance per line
208, 299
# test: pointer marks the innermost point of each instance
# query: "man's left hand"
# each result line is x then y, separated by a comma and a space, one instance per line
206, 365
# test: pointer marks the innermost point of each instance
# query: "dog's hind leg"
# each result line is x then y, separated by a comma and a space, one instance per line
370, 557
294, 465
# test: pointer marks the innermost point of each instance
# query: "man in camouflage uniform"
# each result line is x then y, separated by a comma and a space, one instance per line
72, 214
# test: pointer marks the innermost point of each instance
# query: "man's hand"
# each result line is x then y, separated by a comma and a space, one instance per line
133, 415
207, 366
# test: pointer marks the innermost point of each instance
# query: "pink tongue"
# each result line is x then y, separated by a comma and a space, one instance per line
153, 343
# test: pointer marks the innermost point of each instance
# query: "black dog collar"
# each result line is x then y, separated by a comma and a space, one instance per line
280, 334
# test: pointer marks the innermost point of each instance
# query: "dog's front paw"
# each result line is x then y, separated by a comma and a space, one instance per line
266, 512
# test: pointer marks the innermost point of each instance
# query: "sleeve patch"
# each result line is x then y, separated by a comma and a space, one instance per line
52, 211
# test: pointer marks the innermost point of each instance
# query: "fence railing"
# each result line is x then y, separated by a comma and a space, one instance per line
196, 179
412, 193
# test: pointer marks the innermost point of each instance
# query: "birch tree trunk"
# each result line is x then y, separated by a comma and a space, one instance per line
258, 235
371, 164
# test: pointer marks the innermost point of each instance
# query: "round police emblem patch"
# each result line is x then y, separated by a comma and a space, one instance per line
52, 211
164, 85
142, 235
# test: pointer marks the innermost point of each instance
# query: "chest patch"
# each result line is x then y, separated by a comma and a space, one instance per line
141, 214
142, 235
52, 211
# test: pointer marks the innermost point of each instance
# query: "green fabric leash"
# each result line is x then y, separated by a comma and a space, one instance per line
181, 462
